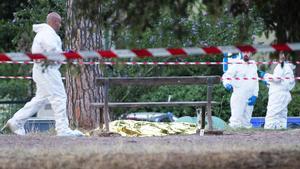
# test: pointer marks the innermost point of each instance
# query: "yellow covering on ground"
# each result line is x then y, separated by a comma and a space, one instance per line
131, 128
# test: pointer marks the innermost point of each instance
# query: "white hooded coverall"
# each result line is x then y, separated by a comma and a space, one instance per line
279, 96
241, 112
49, 85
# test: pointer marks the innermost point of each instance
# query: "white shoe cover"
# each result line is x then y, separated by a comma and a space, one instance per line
69, 132
15, 127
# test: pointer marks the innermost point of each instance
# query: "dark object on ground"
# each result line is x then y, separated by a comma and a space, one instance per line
150, 116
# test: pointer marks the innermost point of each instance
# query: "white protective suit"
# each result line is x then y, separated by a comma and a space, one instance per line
49, 85
241, 112
279, 96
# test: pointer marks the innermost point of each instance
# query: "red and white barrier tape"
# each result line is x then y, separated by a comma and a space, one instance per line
19, 77
236, 78
15, 77
152, 52
145, 63
254, 78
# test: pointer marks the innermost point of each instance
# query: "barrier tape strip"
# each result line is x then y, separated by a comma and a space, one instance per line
19, 77
145, 63
254, 78
151, 52
15, 77
236, 78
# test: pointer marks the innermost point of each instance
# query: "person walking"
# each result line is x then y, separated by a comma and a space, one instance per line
49, 84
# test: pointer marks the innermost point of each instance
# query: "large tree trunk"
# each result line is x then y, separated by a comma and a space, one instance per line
82, 34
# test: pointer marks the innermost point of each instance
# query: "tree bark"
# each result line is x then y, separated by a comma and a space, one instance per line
81, 87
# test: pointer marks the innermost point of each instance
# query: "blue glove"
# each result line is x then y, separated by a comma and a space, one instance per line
234, 56
229, 87
252, 100
170, 115
261, 74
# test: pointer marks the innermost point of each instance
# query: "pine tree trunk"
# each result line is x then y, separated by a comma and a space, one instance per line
81, 87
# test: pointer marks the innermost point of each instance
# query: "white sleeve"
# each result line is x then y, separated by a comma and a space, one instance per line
230, 73
288, 73
274, 77
256, 87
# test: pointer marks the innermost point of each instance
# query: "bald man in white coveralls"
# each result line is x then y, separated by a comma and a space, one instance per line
49, 85
244, 93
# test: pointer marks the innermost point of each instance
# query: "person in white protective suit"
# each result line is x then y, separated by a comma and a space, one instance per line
280, 83
244, 92
49, 85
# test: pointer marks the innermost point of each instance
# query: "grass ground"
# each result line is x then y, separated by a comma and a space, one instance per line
235, 149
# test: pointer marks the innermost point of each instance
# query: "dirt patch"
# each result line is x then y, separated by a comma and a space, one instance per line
234, 149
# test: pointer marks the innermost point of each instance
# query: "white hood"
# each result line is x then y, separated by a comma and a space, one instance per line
39, 27
46, 39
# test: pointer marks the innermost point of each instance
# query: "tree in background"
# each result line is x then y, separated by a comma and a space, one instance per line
92, 18
83, 33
